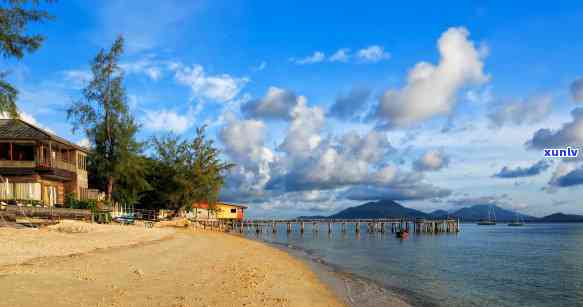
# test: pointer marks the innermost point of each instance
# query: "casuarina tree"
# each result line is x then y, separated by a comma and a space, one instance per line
103, 114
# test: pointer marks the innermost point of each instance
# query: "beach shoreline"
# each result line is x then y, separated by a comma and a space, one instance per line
350, 288
185, 268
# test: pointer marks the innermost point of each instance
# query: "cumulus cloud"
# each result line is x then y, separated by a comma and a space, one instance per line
530, 111
166, 120
303, 134
577, 90
570, 134
145, 66
432, 160
372, 54
244, 143
316, 57
341, 55
357, 165
276, 104
220, 88
533, 170
431, 89
349, 106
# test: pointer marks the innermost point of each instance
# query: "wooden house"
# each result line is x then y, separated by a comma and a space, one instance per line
222, 211
36, 165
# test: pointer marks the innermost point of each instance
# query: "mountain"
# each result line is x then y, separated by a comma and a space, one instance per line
378, 209
561, 218
479, 212
439, 213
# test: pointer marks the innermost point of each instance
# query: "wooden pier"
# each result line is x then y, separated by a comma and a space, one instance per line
341, 225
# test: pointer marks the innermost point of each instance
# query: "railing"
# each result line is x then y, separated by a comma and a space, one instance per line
16, 164
57, 164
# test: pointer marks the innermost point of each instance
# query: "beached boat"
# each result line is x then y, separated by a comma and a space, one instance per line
491, 218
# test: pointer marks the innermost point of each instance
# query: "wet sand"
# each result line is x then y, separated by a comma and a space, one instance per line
182, 269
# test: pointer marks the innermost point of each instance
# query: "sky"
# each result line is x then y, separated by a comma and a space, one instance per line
331, 104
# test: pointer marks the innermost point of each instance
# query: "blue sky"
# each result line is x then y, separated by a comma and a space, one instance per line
326, 105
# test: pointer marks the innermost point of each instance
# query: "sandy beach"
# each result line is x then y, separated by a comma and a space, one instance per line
100, 266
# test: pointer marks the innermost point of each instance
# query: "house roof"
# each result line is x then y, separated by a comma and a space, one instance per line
205, 205
17, 129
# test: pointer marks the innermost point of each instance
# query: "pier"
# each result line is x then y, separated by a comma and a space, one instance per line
341, 225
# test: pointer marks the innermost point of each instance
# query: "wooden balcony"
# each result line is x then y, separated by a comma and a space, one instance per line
17, 164
45, 165
56, 164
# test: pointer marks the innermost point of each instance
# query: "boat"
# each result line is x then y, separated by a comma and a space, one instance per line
491, 218
403, 234
517, 221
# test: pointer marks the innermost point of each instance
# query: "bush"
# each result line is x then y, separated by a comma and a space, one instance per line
72, 203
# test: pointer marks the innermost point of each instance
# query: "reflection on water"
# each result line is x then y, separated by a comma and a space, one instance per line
534, 265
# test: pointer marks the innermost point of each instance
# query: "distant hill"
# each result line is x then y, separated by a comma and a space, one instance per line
392, 209
379, 209
479, 212
561, 218
439, 213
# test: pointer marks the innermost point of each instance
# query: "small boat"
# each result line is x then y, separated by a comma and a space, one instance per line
517, 221
403, 234
491, 218
486, 222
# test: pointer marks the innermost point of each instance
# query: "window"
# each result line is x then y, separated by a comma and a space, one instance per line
233, 210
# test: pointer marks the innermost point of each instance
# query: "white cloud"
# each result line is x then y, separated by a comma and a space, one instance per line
277, 103
146, 66
244, 143
316, 57
570, 134
530, 111
166, 120
432, 160
304, 131
431, 90
480, 97
220, 88
341, 55
373, 54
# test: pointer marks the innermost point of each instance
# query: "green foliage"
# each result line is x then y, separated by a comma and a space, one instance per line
104, 116
15, 15
184, 171
71, 202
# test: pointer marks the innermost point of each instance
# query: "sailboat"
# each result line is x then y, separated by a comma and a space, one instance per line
517, 220
491, 218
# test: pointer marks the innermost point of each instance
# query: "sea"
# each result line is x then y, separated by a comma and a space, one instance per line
532, 265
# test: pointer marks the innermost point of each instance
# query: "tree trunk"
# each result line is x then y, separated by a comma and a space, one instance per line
109, 187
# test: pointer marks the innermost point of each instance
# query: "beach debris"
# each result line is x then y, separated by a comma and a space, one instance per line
139, 272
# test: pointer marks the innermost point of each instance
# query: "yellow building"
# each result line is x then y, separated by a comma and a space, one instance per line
222, 211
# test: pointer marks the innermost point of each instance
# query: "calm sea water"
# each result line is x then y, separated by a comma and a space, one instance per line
534, 265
